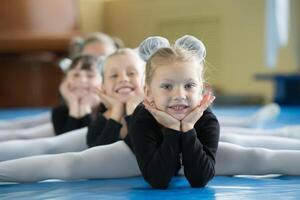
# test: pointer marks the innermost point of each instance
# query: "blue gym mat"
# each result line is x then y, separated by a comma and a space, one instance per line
221, 187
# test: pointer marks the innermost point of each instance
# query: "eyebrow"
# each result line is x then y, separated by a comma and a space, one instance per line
189, 80
167, 80
185, 80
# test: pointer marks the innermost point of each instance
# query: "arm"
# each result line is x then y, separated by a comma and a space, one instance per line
199, 146
156, 152
103, 131
63, 122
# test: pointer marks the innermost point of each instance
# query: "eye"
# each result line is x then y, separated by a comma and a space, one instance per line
76, 74
166, 86
131, 73
189, 86
113, 76
91, 75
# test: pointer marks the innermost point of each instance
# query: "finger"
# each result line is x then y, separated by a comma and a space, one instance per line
206, 101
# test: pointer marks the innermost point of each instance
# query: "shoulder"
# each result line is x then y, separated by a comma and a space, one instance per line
60, 110
141, 112
208, 118
142, 116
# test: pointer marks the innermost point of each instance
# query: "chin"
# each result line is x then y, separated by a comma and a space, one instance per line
123, 99
179, 116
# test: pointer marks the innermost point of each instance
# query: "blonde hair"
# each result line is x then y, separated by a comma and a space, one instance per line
77, 44
156, 51
121, 51
171, 55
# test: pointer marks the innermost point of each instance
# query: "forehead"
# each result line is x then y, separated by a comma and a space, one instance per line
97, 48
80, 67
123, 61
179, 70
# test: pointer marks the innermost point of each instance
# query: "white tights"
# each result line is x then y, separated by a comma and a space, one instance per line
117, 160
40, 131
72, 141
26, 122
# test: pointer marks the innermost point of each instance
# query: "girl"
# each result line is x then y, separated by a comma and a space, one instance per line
97, 44
122, 84
78, 90
175, 128
117, 160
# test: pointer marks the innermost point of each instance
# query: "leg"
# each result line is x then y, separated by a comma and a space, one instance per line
109, 161
68, 142
264, 141
237, 160
26, 122
263, 115
44, 130
292, 131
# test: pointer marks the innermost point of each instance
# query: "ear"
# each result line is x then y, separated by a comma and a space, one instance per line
148, 94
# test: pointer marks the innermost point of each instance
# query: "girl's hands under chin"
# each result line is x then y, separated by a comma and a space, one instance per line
88, 102
162, 117
113, 105
188, 122
69, 96
134, 101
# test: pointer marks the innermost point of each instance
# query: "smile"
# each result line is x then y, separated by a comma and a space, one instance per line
178, 108
124, 90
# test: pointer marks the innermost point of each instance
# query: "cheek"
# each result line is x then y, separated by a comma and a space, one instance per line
96, 82
196, 99
161, 101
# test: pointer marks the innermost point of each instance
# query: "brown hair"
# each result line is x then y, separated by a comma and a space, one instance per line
87, 62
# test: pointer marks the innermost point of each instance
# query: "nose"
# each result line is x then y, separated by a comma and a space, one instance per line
179, 94
82, 79
123, 77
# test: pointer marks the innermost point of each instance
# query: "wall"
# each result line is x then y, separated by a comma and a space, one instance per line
232, 30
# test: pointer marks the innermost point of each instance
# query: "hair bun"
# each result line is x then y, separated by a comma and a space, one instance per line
150, 45
192, 43
65, 64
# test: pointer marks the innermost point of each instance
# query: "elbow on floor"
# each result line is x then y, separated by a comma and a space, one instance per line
201, 181
159, 184
198, 184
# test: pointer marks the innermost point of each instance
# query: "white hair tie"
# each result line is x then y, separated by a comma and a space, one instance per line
192, 43
150, 45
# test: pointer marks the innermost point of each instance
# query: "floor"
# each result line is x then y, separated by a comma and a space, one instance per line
242, 187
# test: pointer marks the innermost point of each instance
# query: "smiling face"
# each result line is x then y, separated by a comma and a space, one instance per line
82, 81
176, 87
123, 75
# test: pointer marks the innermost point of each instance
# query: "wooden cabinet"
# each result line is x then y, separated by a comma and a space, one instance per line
34, 36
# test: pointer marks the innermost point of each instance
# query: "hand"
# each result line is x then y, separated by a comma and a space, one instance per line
134, 100
67, 94
161, 117
91, 98
71, 99
188, 122
116, 107
88, 102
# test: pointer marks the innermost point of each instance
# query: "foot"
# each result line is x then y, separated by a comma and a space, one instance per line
266, 114
290, 131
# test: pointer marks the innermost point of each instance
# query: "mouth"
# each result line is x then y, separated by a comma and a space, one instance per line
80, 89
124, 90
179, 108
